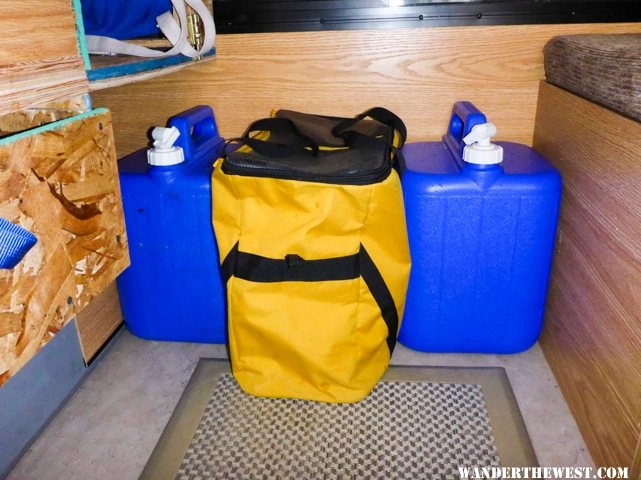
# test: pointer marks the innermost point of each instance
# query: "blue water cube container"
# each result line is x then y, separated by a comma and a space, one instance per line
481, 241
173, 288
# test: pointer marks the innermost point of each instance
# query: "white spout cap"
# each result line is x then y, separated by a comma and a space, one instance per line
479, 148
164, 153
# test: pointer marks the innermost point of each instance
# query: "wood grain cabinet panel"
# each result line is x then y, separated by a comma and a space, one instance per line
592, 334
61, 183
417, 73
39, 57
98, 321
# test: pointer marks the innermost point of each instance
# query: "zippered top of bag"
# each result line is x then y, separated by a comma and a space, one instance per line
341, 167
299, 146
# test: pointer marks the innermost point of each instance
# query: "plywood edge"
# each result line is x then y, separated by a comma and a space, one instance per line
39, 59
139, 77
21, 95
80, 33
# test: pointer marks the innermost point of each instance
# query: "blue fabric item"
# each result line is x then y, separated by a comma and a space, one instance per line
15, 242
123, 19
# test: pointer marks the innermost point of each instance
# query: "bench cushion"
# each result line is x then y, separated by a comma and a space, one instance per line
603, 68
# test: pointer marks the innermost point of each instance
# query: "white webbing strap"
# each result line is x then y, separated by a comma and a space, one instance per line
176, 33
173, 32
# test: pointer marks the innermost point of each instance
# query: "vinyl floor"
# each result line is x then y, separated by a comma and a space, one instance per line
109, 427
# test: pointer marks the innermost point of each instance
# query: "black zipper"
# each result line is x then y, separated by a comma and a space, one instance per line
252, 168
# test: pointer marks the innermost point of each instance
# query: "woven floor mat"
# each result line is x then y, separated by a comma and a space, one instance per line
405, 429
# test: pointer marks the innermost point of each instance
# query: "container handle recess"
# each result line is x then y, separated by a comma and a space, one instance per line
464, 117
198, 131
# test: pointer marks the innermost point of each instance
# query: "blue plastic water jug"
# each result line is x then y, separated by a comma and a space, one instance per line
481, 240
173, 289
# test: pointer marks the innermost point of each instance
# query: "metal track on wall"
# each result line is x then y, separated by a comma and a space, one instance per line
250, 16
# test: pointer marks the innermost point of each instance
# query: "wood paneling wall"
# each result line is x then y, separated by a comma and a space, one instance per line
39, 57
98, 321
592, 334
418, 73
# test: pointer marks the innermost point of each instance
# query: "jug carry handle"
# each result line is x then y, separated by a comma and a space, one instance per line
464, 117
198, 131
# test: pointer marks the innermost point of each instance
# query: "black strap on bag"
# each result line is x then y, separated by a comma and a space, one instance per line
347, 130
269, 149
286, 139
382, 115
295, 141
283, 127
293, 268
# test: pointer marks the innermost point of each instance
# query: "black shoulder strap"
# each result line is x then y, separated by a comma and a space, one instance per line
286, 139
269, 149
283, 127
291, 140
379, 114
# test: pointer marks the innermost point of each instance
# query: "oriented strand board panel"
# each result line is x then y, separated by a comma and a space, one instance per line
39, 57
61, 183
417, 73
592, 334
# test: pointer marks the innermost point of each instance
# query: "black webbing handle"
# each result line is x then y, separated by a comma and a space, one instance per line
381, 115
268, 149
291, 141
300, 143
284, 126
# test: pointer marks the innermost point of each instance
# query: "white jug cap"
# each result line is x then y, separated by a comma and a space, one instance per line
479, 149
164, 153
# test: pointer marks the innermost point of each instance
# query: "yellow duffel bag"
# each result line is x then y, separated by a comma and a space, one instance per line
309, 219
